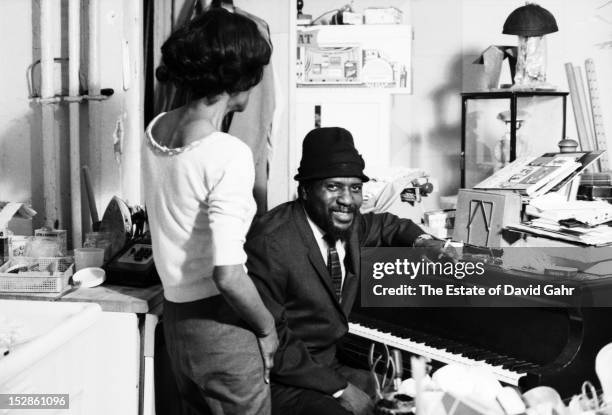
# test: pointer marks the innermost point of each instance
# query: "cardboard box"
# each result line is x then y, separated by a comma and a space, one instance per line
481, 216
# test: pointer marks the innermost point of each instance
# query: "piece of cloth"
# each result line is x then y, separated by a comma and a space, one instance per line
215, 359
200, 204
333, 266
254, 124
297, 401
286, 265
339, 245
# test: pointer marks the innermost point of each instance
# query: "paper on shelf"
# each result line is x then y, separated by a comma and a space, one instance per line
554, 208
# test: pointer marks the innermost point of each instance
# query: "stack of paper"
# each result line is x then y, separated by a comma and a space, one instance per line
597, 236
533, 176
554, 208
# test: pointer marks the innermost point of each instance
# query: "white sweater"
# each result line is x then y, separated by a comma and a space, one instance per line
199, 200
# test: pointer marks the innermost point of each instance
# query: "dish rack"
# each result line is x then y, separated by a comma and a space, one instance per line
36, 275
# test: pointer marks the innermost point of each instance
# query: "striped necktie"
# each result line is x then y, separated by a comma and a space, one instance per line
333, 266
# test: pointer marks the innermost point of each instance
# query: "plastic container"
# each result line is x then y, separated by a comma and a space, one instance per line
35, 275
88, 257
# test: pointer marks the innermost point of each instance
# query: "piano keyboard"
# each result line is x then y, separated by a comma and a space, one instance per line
405, 342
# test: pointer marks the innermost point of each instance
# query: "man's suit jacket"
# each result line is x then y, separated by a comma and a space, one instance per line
288, 269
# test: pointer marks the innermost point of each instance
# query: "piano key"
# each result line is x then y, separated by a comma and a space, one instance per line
527, 367
410, 341
497, 361
488, 355
509, 363
479, 354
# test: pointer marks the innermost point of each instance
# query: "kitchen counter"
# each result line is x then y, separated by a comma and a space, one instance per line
115, 298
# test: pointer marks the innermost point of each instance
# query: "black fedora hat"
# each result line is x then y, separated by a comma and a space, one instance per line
330, 152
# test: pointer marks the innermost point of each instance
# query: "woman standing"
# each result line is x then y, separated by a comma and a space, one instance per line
198, 190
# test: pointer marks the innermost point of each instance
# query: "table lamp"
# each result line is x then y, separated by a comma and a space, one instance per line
530, 23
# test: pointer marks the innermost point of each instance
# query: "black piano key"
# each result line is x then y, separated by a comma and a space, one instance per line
497, 361
509, 363
527, 367
461, 349
516, 367
440, 343
433, 341
487, 356
450, 344
480, 354
410, 335
469, 352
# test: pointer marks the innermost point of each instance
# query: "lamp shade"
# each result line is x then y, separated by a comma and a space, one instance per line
530, 20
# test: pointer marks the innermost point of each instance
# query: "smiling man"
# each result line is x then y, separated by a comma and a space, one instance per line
304, 259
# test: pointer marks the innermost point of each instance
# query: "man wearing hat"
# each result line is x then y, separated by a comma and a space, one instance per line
304, 259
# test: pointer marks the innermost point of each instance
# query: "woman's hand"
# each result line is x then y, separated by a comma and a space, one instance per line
268, 345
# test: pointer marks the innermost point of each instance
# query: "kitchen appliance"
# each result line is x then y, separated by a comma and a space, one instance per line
131, 252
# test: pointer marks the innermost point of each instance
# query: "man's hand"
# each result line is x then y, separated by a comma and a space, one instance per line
356, 401
267, 346
444, 250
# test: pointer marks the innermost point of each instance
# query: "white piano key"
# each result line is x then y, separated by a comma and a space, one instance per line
441, 355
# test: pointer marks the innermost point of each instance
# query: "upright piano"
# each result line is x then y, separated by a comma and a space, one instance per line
525, 347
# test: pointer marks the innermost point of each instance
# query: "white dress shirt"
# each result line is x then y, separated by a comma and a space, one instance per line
323, 246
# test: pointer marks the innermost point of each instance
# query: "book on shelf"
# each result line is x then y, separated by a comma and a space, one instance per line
534, 175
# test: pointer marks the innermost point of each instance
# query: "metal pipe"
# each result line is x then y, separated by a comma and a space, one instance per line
93, 73
50, 150
93, 86
132, 70
74, 48
46, 49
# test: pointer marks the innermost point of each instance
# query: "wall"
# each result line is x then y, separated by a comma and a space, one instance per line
448, 36
110, 152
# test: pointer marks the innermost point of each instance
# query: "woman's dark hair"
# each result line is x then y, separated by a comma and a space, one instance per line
214, 53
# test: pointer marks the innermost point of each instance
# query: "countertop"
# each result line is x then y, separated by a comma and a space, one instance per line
110, 297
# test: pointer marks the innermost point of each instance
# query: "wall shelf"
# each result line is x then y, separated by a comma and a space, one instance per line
358, 89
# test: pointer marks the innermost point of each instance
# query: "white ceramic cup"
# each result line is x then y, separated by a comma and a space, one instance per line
88, 257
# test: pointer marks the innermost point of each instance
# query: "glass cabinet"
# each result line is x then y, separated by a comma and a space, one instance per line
497, 127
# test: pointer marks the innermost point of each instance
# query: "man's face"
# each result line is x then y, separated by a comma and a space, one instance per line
333, 204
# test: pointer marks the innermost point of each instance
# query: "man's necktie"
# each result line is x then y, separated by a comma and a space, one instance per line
333, 266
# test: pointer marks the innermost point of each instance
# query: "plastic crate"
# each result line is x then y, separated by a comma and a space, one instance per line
36, 275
